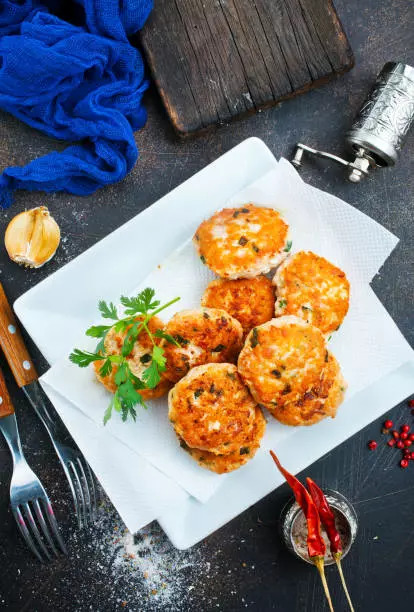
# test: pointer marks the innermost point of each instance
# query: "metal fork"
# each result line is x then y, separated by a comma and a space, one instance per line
77, 470
28, 499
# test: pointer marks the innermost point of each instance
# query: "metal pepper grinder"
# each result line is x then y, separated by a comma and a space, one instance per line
380, 127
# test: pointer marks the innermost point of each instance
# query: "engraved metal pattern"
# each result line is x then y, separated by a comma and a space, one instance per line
379, 129
389, 110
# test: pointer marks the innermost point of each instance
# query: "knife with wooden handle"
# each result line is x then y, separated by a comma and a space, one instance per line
71, 458
6, 406
12, 343
21, 364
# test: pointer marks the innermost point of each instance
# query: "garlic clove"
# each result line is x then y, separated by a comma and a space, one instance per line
32, 237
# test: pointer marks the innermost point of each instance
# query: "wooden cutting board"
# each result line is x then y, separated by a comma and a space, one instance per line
214, 60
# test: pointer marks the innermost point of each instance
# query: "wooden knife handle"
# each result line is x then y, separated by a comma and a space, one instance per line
12, 343
6, 406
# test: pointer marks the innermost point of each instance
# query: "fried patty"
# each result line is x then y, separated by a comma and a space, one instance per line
249, 300
318, 402
205, 335
222, 464
138, 360
211, 409
310, 287
282, 359
242, 242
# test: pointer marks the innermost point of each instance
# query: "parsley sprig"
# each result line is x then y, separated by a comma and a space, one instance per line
138, 312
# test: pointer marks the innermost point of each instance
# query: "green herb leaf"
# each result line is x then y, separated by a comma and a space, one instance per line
181, 340
116, 402
100, 347
108, 311
98, 331
131, 338
254, 339
121, 374
160, 333
127, 395
108, 413
158, 357
282, 303
218, 348
142, 303
128, 411
151, 375
115, 359
287, 389
122, 325
106, 369
240, 211
84, 358
138, 383
288, 246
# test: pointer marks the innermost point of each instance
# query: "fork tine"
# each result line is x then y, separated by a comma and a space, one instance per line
25, 532
93, 489
53, 523
87, 493
80, 491
44, 526
72, 487
35, 530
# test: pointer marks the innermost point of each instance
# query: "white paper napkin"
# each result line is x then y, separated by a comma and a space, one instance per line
319, 222
243, 488
139, 491
323, 223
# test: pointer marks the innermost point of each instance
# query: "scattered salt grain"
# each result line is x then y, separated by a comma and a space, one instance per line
145, 568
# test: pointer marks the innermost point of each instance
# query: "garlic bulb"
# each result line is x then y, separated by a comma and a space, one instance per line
32, 237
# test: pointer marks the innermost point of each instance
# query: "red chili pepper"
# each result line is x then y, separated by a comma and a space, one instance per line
328, 521
327, 517
316, 544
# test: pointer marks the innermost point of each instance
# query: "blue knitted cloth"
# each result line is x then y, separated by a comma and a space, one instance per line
82, 83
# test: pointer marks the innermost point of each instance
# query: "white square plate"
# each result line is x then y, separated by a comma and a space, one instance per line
96, 273
212, 187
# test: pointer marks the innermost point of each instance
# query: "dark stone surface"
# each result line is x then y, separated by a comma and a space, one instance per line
248, 564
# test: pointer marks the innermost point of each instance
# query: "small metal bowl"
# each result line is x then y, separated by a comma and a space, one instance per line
342, 508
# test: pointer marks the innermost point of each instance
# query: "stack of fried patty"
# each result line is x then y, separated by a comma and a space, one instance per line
276, 331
